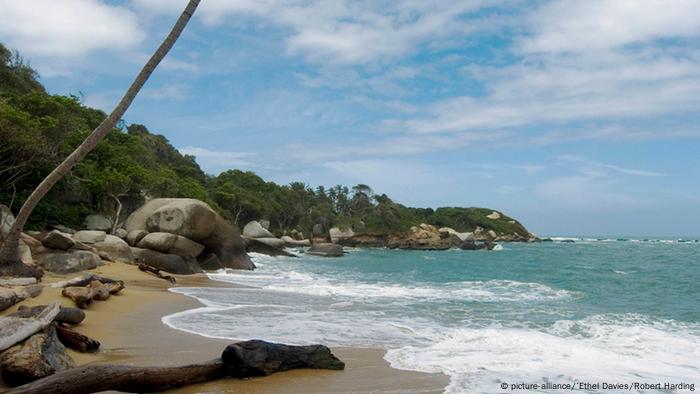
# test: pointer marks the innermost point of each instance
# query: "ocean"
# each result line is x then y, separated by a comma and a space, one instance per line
570, 312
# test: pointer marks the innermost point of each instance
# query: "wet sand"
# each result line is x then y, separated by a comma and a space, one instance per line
130, 330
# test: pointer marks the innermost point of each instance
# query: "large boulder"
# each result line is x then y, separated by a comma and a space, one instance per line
172, 244
39, 356
273, 242
97, 222
89, 236
462, 236
161, 242
256, 230
121, 233
133, 237
25, 253
188, 217
223, 239
58, 240
114, 249
338, 234
73, 261
326, 250
167, 262
210, 262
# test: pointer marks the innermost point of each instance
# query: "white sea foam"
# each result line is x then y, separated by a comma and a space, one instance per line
598, 349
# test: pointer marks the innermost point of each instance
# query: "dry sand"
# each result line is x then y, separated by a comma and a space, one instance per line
131, 332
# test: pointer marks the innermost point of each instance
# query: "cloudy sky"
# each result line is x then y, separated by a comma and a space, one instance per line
577, 117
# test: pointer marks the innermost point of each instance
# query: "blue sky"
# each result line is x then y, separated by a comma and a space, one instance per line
576, 117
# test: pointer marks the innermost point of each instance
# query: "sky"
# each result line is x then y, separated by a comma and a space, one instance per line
575, 117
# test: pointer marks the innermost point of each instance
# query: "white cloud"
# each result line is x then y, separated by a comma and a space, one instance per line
215, 161
574, 25
67, 28
343, 31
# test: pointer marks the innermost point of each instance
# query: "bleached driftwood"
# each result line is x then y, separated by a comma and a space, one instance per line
17, 329
18, 281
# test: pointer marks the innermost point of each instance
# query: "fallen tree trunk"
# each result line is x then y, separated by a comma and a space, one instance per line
155, 271
242, 359
17, 329
9, 297
68, 315
76, 341
84, 280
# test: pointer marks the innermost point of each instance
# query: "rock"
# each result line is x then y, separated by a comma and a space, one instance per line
318, 230
25, 253
210, 262
39, 356
114, 249
289, 241
64, 229
57, 240
7, 220
462, 236
494, 215
265, 224
73, 261
161, 242
66, 314
326, 250
337, 234
254, 245
82, 246
273, 242
297, 235
171, 244
261, 358
97, 222
89, 236
29, 241
255, 230
492, 234
188, 217
224, 239
424, 237
133, 237
167, 262
121, 233
186, 247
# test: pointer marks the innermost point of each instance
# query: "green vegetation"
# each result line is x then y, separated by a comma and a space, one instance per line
37, 130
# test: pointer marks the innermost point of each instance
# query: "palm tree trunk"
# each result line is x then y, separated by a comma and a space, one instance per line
9, 256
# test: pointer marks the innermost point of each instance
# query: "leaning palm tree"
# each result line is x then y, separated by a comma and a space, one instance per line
10, 263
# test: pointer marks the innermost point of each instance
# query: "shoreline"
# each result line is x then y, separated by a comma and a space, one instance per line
130, 328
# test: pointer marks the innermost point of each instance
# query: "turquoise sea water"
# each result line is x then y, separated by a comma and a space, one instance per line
590, 311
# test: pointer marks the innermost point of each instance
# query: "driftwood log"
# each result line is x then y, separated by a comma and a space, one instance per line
243, 359
82, 296
66, 314
17, 329
84, 280
9, 297
155, 271
18, 281
75, 340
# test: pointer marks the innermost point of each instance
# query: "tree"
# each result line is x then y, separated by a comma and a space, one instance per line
10, 263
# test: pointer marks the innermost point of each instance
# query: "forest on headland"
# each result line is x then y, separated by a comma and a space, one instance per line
132, 164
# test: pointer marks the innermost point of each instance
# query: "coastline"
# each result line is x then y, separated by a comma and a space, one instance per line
129, 326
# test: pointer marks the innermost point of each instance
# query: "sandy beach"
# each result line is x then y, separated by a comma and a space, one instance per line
130, 330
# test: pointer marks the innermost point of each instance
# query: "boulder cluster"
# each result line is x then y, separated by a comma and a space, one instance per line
177, 235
